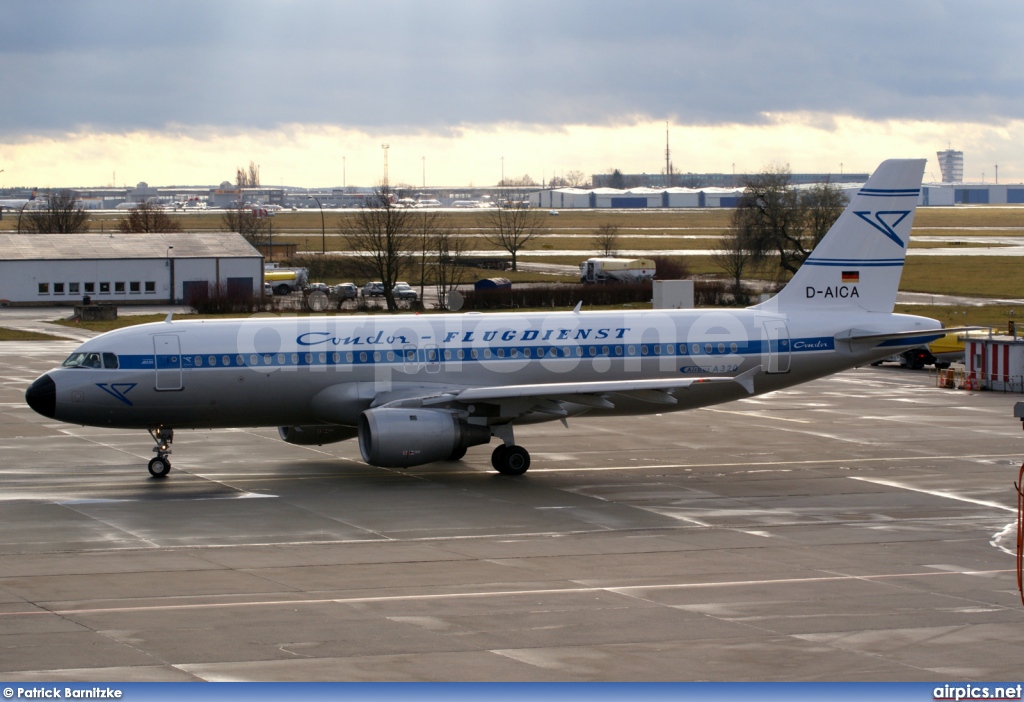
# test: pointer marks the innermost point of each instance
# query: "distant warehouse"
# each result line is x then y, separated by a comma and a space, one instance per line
55, 269
931, 195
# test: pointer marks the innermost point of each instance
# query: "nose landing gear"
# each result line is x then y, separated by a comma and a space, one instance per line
160, 466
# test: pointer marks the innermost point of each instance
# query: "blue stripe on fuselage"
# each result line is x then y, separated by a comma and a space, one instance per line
396, 355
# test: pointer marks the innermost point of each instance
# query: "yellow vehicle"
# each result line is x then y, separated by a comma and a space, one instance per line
948, 349
285, 280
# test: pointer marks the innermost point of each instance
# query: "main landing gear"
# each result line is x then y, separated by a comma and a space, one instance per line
160, 466
510, 460
507, 458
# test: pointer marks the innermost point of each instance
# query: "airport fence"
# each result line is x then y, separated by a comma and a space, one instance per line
961, 379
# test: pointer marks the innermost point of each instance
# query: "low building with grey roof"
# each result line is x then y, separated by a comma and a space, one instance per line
55, 269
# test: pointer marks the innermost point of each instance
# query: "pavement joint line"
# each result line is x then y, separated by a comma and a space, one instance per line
625, 590
384, 539
828, 461
935, 493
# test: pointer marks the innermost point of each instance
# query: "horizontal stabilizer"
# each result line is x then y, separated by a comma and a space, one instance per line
863, 339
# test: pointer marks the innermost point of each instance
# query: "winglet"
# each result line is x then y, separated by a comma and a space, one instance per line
746, 379
576, 309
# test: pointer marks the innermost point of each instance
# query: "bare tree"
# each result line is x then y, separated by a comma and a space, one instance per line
576, 179
243, 220
773, 217
62, 214
513, 225
824, 203
606, 238
147, 217
430, 225
449, 271
382, 235
521, 181
248, 178
733, 259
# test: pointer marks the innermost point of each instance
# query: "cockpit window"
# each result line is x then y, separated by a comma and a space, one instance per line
109, 360
85, 360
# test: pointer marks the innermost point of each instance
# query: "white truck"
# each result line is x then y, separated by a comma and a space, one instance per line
616, 270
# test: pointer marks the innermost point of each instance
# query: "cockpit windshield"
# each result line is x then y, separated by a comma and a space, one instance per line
91, 360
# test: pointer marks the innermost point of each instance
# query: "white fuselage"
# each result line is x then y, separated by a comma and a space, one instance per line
270, 371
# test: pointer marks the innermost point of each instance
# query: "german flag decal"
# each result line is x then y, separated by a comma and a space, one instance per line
851, 276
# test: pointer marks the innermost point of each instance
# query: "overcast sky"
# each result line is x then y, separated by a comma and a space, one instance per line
181, 91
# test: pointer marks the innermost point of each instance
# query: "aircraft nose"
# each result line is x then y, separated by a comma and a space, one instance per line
42, 396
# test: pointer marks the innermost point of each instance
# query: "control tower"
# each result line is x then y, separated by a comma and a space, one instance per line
951, 163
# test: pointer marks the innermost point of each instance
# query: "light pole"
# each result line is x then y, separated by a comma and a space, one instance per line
323, 234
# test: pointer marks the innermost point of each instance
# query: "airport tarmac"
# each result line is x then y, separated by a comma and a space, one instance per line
860, 527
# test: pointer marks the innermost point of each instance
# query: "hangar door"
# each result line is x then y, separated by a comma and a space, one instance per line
239, 288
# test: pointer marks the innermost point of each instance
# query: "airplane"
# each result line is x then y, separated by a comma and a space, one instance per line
413, 389
16, 203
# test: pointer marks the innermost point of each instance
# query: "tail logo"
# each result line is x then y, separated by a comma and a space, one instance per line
887, 228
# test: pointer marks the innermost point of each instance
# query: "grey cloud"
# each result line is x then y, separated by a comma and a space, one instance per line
436, 65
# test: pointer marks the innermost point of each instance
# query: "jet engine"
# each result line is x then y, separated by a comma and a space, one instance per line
316, 435
399, 438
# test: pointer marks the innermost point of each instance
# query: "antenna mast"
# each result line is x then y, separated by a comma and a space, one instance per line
668, 161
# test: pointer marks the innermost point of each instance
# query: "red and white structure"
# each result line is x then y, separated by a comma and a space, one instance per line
994, 363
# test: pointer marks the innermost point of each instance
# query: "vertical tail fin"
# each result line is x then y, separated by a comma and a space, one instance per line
858, 263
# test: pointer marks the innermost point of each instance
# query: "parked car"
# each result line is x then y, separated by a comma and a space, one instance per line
345, 291
373, 289
268, 289
403, 291
323, 287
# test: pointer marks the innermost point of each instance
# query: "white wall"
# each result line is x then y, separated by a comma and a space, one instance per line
691, 199
20, 280
937, 196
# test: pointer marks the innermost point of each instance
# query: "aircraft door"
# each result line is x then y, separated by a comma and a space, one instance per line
167, 361
777, 346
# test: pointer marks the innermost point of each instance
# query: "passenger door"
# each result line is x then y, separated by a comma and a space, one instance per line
777, 346
167, 361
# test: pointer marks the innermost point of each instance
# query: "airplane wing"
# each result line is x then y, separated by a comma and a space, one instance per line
549, 390
547, 396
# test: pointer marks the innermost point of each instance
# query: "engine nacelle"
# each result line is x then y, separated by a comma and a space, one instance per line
399, 438
316, 435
